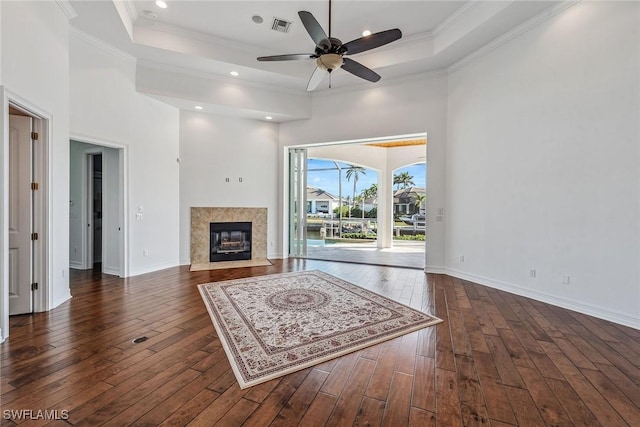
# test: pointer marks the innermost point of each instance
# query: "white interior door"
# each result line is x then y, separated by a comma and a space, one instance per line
20, 219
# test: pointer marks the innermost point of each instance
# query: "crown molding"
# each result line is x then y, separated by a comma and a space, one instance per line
454, 17
106, 47
67, 9
512, 34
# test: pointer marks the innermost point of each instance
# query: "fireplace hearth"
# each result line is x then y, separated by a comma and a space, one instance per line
230, 241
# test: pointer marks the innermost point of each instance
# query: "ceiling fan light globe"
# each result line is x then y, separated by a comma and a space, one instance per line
329, 61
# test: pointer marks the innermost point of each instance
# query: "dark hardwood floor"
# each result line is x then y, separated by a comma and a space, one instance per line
497, 359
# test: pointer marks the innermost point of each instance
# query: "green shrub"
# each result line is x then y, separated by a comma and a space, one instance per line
420, 237
358, 236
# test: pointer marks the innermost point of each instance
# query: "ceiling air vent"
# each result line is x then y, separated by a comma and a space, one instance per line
280, 25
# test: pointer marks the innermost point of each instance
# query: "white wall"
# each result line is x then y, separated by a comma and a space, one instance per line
213, 148
414, 105
78, 207
106, 107
544, 163
35, 69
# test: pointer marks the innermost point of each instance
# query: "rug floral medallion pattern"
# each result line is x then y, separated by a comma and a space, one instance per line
281, 323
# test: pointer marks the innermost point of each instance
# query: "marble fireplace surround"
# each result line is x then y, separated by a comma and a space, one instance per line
201, 217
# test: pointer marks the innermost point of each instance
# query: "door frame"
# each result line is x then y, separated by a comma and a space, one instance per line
286, 208
123, 163
88, 211
41, 260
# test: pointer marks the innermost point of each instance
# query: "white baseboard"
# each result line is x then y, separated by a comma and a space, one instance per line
2, 337
435, 269
76, 265
151, 269
59, 301
185, 261
570, 304
115, 271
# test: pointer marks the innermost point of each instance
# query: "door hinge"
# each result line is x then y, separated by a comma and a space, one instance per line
34, 185
34, 286
34, 136
34, 236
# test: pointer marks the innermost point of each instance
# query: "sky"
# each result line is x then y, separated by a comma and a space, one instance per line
327, 180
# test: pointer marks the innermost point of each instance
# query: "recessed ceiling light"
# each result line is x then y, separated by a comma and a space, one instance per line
234, 73
198, 107
366, 33
257, 19
269, 118
161, 4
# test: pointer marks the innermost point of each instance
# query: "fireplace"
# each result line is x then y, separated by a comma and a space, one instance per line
230, 241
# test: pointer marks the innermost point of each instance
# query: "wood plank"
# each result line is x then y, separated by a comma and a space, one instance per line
319, 411
378, 387
399, 402
424, 385
594, 400
447, 403
190, 409
573, 405
338, 377
297, 405
524, 407
495, 393
472, 404
503, 363
421, 418
277, 399
346, 408
370, 413
629, 411
548, 406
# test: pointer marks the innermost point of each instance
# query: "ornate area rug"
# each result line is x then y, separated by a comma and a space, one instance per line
281, 323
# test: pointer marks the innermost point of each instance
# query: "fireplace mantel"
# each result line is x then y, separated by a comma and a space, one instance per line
201, 217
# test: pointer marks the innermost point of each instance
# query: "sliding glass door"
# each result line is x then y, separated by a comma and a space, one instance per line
298, 202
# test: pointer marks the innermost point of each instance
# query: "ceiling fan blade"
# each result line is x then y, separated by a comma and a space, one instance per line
313, 28
316, 78
291, 57
357, 69
371, 42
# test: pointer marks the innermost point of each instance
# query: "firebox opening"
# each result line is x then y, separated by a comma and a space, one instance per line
230, 241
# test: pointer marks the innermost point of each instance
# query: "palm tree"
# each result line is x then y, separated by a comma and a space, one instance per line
396, 180
420, 198
371, 192
354, 171
404, 178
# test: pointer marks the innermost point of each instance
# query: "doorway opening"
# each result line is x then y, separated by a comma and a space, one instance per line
94, 199
393, 242
96, 208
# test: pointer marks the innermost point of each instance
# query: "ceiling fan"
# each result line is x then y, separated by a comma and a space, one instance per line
330, 52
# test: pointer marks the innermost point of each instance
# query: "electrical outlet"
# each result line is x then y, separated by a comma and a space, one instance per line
145, 252
565, 279
461, 258
532, 273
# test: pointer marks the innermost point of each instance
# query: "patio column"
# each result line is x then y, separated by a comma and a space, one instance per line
385, 209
